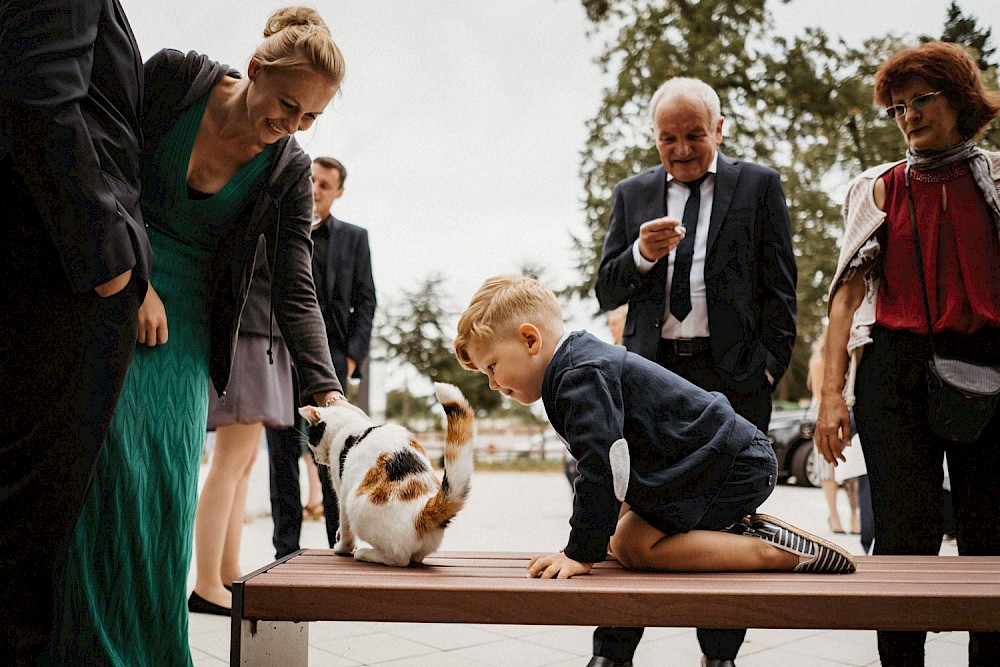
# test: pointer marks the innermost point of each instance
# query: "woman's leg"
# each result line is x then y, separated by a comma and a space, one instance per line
974, 470
830, 491
231, 569
865, 514
904, 464
851, 487
235, 446
314, 506
640, 546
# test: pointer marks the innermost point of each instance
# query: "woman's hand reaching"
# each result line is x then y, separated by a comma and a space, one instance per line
152, 320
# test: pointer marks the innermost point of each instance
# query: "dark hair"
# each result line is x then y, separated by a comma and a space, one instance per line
945, 67
333, 163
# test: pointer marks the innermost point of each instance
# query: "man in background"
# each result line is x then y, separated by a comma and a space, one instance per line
345, 288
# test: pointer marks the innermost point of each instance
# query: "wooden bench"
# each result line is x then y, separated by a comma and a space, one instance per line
272, 607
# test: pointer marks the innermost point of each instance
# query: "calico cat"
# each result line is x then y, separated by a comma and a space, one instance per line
389, 495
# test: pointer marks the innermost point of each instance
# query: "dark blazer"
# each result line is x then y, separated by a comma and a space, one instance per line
348, 290
281, 211
681, 440
750, 271
70, 99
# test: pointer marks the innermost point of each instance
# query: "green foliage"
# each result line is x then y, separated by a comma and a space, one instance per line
523, 464
514, 411
803, 106
964, 30
402, 406
413, 330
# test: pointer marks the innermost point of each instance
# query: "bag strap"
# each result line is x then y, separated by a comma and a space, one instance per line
920, 258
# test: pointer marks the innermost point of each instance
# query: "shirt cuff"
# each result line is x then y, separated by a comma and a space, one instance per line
587, 546
641, 263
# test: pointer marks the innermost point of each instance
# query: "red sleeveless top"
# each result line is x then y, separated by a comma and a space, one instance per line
961, 254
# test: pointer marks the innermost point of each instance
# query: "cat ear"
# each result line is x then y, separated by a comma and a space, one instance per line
310, 413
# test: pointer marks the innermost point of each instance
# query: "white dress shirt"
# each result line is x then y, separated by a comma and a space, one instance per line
695, 325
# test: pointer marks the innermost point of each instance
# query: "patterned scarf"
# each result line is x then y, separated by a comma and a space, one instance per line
967, 151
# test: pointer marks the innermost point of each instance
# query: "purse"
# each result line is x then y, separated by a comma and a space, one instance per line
962, 396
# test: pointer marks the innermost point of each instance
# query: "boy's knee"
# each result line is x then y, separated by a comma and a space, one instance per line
628, 554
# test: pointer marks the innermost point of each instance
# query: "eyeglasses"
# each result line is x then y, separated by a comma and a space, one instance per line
917, 103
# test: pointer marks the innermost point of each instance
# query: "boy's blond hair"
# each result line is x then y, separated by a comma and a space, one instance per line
499, 307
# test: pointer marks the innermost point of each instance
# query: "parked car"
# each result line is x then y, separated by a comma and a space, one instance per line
791, 436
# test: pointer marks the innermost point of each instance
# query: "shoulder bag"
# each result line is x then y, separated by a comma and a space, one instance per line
962, 396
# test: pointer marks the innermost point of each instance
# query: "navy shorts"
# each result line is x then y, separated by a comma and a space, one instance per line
752, 478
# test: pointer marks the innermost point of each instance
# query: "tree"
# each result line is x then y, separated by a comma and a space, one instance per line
964, 30
803, 106
414, 334
402, 406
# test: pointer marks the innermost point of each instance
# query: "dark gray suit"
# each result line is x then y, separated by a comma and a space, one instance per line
750, 279
70, 99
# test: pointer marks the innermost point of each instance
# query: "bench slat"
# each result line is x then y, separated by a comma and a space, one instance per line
894, 593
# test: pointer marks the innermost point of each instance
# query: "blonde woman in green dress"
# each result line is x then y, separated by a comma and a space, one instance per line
220, 168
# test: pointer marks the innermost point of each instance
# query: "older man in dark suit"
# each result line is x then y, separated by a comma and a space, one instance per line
75, 262
345, 288
700, 248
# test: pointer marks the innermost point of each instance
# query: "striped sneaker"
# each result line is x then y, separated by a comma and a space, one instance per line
815, 554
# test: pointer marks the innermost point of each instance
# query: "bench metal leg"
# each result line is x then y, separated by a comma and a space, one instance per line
267, 643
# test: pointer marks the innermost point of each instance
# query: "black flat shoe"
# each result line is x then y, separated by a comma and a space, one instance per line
601, 661
199, 605
716, 662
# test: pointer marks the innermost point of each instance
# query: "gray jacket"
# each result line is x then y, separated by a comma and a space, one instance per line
282, 212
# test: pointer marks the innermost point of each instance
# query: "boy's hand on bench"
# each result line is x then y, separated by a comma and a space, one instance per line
556, 566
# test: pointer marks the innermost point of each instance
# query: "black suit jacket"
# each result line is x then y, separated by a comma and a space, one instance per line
681, 440
70, 99
346, 290
750, 271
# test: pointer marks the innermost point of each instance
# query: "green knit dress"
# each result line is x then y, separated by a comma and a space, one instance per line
124, 595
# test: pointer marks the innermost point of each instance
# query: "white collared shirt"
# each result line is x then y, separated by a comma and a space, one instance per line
695, 325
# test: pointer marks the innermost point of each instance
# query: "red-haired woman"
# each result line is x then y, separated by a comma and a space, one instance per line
878, 342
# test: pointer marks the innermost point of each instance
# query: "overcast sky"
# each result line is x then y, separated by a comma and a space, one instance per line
461, 121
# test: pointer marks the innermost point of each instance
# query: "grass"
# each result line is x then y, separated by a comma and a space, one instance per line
522, 464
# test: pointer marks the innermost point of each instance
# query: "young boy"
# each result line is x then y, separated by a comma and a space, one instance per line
689, 469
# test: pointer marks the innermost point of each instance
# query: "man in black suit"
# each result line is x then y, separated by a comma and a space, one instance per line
700, 248
342, 271
75, 260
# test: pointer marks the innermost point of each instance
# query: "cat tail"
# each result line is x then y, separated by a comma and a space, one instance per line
457, 460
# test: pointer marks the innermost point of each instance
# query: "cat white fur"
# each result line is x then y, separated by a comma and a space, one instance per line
388, 493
